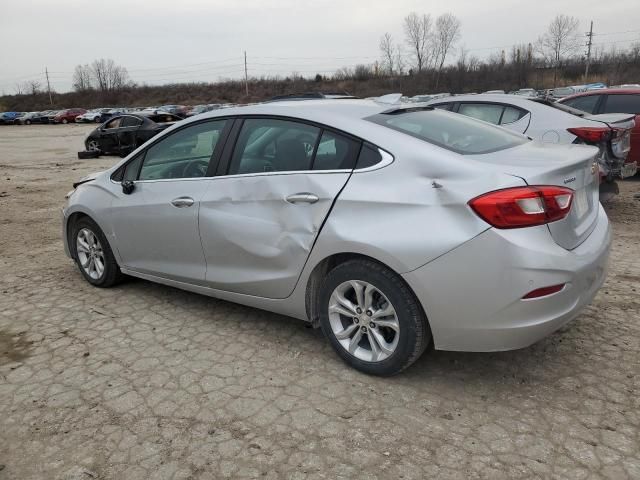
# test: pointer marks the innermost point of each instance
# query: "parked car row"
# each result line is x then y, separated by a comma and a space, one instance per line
101, 115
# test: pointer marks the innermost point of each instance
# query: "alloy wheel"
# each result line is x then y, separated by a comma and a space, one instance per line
363, 321
90, 253
93, 146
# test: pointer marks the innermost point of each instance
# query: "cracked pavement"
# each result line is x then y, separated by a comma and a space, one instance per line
144, 381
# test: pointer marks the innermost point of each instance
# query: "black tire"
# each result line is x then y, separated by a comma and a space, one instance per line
88, 154
414, 333
112, 274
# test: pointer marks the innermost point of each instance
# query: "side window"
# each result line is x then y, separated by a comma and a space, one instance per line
335, 152
129, 121
271, 145
183, 154
369, 156
622, 103
115, 123
132, 168
586, 104
511, 115
482, 111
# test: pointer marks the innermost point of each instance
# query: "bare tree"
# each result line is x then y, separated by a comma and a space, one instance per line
447, 33
388, 51
108, 76
82, 78
417, 29
34, 87
559, 41
19, 88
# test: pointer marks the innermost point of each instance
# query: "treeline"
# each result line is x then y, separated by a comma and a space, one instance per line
426, 60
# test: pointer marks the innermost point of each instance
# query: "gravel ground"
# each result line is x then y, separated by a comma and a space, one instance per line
144, 381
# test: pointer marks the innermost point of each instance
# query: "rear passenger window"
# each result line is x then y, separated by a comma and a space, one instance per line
130, 121
511, 115
482, 111
335, 152
369, 156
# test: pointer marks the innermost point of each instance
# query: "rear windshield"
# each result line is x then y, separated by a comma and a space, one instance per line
560, 106
455, 132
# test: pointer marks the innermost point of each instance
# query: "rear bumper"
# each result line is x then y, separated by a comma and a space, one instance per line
473, 295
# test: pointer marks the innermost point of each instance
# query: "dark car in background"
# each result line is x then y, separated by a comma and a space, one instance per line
27, 118
68, 115
124, 133
611, 100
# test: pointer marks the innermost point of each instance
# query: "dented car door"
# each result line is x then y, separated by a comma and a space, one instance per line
259, 220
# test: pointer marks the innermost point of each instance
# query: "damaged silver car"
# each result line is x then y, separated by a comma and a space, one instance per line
390, 227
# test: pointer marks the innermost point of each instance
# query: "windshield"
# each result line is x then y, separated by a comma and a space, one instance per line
455, 132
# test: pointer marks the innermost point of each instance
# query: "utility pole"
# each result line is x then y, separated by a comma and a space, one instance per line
589, 43
46, 71
246, 76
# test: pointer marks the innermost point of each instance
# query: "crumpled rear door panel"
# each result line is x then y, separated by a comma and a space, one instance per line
255, 241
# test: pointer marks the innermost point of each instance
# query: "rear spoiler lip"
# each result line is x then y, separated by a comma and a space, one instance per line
614, 119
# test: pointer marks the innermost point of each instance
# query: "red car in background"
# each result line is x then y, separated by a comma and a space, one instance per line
613, 100
68, 116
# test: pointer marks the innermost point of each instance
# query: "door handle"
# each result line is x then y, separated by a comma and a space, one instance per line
182, 202
302, 197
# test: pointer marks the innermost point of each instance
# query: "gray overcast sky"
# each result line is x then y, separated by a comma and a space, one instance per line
160, 41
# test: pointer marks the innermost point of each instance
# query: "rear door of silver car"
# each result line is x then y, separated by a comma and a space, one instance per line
277, 181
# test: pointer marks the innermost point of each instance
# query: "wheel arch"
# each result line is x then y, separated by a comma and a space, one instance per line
74, 218
324, 266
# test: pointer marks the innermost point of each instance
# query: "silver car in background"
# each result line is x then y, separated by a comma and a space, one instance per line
390, 227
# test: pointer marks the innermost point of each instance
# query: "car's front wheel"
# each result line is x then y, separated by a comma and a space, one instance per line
93, 254
93, 146
371, 318
65, 121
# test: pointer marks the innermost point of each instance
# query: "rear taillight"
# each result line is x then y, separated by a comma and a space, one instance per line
591, 134
523, 206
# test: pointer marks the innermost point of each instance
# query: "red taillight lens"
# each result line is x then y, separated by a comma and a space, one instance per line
523, 206
591, 134
543, 292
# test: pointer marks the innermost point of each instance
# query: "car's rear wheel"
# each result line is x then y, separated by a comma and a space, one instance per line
372, 318
65, 121
93, 254
97, 120
27, 122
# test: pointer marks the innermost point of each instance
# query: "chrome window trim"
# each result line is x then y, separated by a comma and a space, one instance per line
387, 159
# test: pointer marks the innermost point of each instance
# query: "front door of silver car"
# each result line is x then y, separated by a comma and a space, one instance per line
155, 217
260, 218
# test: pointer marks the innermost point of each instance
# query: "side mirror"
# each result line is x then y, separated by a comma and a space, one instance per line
127, 187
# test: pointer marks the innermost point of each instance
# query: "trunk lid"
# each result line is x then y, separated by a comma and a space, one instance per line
571, 166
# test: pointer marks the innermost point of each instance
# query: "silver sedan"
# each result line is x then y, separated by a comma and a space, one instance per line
391, 228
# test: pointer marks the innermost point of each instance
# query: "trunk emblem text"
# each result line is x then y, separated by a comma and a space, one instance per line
569, 180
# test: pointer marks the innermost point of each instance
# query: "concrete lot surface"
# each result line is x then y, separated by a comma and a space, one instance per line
144, 381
